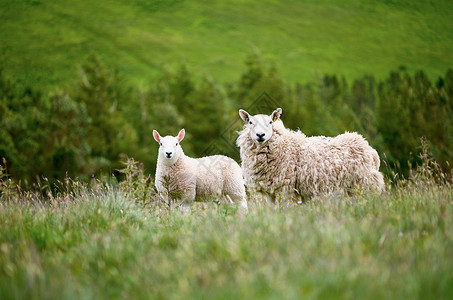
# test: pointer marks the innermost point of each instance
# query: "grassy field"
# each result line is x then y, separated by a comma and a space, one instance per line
101, 242
44, 42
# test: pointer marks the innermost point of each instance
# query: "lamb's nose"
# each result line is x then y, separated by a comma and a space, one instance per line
260, 135
168, 154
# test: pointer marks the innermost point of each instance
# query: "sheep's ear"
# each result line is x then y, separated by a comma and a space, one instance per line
156, 136
276, 114
244, 115
181, 135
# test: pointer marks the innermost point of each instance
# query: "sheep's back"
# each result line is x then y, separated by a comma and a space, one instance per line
330, 162
350, 147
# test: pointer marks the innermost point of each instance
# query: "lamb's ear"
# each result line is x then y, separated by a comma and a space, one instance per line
181, 135
276, 114
156, 136
244, 115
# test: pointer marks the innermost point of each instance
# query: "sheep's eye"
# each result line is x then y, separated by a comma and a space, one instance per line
270, 122
161, 144
250, 122
176, 144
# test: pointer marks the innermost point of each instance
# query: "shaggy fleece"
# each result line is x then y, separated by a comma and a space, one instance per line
294, 165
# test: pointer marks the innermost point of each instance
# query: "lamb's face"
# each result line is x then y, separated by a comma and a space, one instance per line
170, 150
260, 125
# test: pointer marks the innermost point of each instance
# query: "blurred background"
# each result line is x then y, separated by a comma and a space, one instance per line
83, 83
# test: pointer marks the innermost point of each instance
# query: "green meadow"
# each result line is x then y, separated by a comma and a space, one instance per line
43, 43
101, 242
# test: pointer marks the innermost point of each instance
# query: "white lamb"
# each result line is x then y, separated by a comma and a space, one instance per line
279, 162
190, 179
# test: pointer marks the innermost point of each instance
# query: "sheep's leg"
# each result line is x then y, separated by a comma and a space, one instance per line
377, 181
373, 182
268, 198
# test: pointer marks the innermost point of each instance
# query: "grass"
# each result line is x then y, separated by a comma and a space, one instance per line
102, 242
44, 42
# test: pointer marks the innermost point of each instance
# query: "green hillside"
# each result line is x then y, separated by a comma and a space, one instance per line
43, 43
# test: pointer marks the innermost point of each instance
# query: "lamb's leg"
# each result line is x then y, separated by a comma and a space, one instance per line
184, 207
240, 199
228, 198
186, 201
164, 198
243, 205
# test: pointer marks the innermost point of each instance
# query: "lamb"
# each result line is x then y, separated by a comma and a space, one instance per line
190, 179
279, 162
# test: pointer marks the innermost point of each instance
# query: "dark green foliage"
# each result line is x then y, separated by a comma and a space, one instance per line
41, 136
67, 129
204, 116
411, 107
363, 103
109, 133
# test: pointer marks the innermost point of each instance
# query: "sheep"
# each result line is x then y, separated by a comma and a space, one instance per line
191, 179
279, 162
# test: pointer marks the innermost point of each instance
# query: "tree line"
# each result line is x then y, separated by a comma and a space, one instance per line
90, 127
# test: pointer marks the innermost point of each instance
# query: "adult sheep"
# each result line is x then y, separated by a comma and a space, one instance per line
190, 179
277, 161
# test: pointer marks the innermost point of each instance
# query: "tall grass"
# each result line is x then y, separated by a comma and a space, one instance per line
95, 241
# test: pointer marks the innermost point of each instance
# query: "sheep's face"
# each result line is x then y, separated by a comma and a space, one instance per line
170, 150
260, 125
